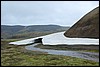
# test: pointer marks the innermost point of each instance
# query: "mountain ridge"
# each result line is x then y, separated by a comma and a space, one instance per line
20, 31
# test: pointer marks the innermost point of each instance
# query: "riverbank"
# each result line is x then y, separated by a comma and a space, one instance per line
80, 47
13, 55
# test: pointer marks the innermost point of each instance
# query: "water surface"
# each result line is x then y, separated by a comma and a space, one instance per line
59, 38
84, 55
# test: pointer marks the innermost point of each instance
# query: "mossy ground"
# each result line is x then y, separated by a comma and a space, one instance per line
12, 55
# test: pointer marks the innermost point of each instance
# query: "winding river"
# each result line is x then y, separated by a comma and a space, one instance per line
84, 55
59, 38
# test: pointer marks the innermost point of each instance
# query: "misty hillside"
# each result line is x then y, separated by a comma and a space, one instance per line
87, 26
18, 31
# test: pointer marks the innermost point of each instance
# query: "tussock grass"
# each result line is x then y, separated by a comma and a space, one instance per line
12, 55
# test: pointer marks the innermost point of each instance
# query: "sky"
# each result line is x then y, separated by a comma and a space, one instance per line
63, 13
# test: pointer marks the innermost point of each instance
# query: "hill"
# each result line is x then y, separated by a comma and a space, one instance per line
86, 27
19, 31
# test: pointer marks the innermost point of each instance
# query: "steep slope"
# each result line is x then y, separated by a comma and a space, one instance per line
87, 26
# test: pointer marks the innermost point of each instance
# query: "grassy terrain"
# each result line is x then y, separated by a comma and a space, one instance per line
86, 27
12, 55
30, 34
18, 31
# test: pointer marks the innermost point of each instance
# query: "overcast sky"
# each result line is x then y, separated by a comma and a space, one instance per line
64, 13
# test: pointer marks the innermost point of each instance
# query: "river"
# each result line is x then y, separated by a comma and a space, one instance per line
59, 38
78, 54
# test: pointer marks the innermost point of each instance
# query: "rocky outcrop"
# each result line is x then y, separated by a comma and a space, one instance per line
39, 40
86, 27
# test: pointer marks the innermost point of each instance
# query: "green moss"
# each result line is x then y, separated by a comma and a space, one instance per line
18, 56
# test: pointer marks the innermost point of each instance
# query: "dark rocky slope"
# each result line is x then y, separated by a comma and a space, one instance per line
86, 27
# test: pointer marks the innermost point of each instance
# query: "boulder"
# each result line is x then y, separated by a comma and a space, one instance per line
39, 40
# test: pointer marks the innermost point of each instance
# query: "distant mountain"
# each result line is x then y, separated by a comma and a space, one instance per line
11, 29
42, 28
87, 26
18, 31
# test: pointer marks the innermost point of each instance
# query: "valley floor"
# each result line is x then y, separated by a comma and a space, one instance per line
86, 48
12, 55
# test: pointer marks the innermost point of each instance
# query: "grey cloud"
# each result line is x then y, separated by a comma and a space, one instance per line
44, 12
